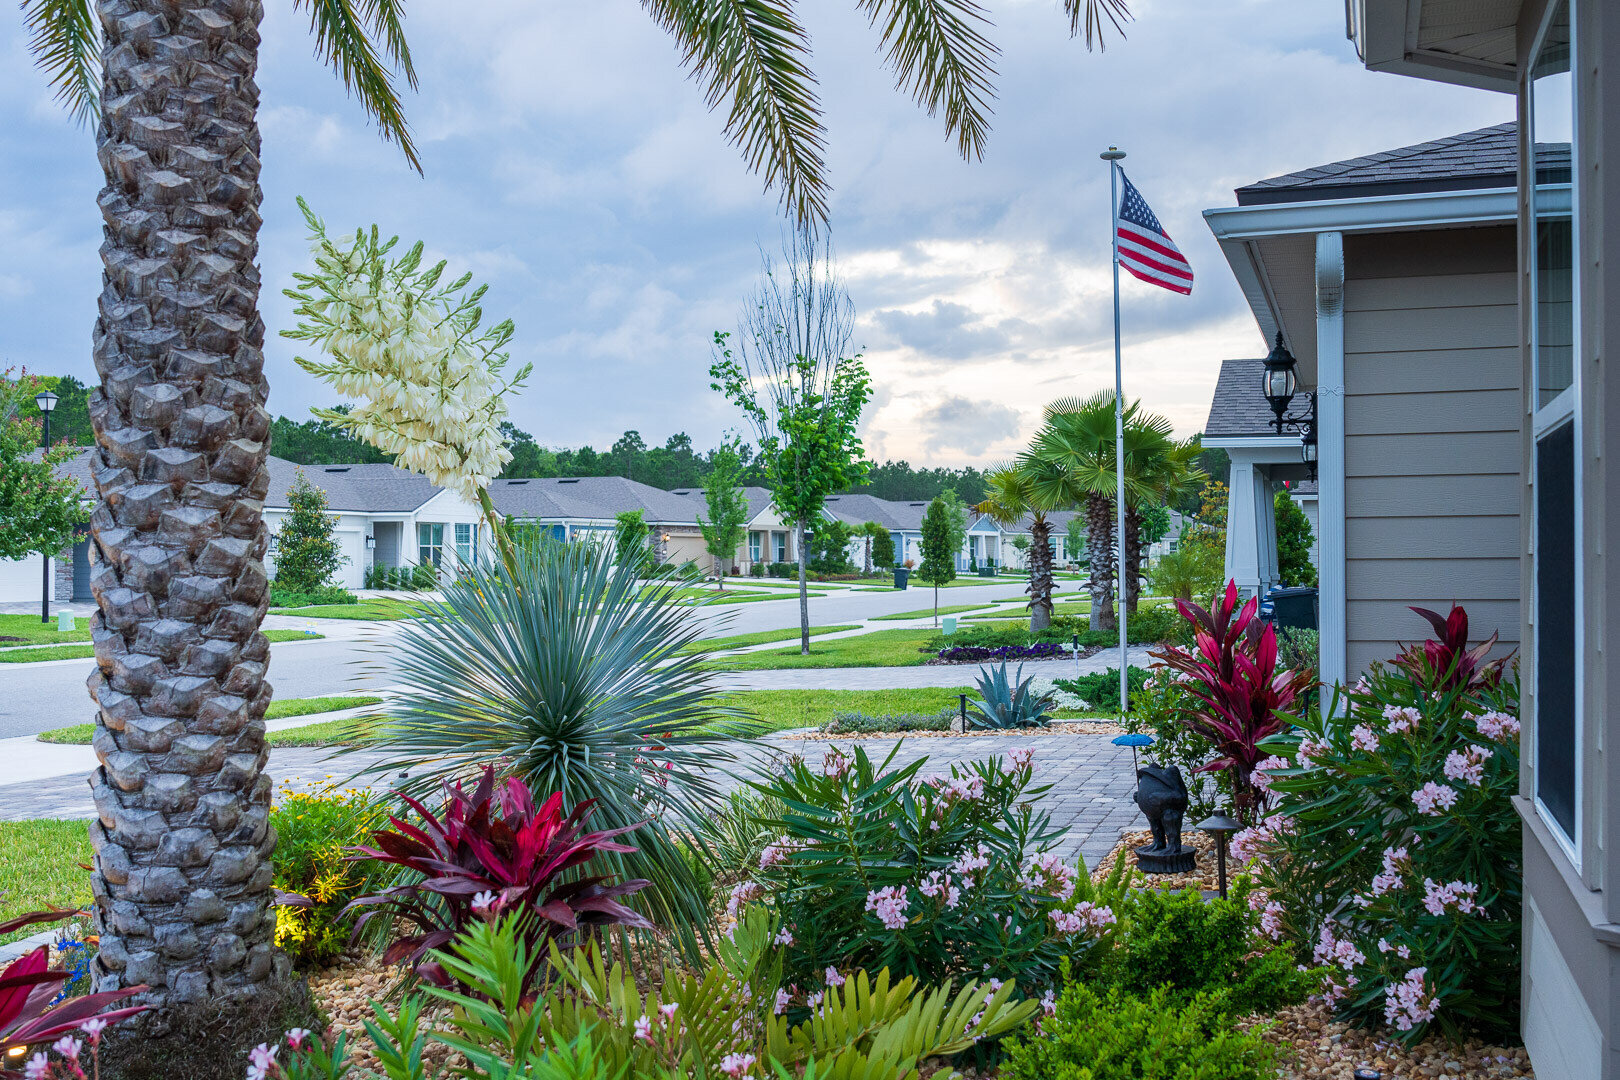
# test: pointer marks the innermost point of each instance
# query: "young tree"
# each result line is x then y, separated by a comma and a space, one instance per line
879, 547
957, 515
1294, 564
39, 512
728, 508
1074, 537
792, 378
306, 554
938, 552
630, 536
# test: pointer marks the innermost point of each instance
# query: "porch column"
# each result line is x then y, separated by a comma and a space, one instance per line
1330, 450
1243, 538
1266, 529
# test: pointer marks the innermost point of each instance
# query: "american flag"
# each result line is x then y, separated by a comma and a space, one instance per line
1145, 249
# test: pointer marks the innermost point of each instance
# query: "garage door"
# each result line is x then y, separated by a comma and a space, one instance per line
20, 580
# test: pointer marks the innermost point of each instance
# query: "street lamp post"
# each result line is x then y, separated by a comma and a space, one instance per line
46, 402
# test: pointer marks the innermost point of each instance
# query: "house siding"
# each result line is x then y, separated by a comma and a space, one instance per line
1432, 442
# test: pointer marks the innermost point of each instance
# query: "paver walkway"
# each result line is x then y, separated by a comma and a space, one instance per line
1090, 778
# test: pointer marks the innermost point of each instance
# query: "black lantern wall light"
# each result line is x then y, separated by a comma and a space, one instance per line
1280, 384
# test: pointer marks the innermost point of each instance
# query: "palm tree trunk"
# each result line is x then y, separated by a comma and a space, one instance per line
1040, 575
804, 595
182, 838
1133, 557
1100, 547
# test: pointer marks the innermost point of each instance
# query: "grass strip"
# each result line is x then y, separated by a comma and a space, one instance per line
84, 652
80, 734
40, 865
882, 648
762, 637
928, 612
28, 630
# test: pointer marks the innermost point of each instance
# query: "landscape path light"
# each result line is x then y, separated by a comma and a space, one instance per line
1221, 828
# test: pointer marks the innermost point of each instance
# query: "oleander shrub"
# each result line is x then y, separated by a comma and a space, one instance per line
315, 832
854, 723
283, 596
932, 877
1100, 689
1393, 853
1116, 1035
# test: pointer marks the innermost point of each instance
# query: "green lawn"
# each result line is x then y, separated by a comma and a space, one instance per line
278, 710
928, 612
739, 641
28, 630
884, 648
82, 652
40, 868
376, 609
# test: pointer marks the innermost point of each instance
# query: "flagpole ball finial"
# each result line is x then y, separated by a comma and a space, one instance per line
1113, 153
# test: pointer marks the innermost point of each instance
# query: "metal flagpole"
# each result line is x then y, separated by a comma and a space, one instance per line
1113, 155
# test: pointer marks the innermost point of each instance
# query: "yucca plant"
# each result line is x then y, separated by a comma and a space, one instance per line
1009, 701
570, 672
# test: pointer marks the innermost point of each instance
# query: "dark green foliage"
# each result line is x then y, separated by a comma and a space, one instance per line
70, 420
282, 596
1008, 701
939, 529
1119, 1036
630, 534
828, 547
1101, 688
1294, 564
727, 506
306, 554
422, 576
853, 723
1298, 648
320, 442
898, 481
882, 545
40, 512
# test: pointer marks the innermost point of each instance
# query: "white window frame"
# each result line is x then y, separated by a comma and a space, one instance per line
756, 545
1565, 407
466, 550
429, 546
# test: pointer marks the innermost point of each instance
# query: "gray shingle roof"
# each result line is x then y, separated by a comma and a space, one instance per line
758, 499
1486, 158
1239, 407
861, 508
591, 498
364, 489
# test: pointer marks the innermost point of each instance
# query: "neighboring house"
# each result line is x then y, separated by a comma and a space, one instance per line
1391, 279
576, 508
1561, 60
23, 580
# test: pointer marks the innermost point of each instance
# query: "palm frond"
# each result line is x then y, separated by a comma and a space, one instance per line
1093, 12
940, 57
66, 43
344, 36
755, 55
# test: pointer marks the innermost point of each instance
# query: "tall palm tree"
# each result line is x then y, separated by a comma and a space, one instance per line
1028, 488
182, 842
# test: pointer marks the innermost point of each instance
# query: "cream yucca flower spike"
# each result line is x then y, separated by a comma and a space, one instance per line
428, 384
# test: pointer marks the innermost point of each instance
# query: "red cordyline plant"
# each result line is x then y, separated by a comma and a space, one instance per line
488, 852
1232, 671
1445, 662
27, 988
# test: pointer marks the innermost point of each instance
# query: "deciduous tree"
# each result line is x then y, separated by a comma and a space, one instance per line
1294, 564
728, 509
40, 512
938, 552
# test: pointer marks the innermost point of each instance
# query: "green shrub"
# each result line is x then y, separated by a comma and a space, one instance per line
306, 554
1100, 689
1119, 1036
281, 596
313, 832
756, 569
1298, 648
854, 723
424, 576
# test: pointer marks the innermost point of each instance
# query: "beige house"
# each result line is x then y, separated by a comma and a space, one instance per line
1391, 279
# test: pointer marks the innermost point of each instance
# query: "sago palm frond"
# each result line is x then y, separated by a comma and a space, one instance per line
1092, 13
941, 58
755, 55
345, 37
568, 672
66, 43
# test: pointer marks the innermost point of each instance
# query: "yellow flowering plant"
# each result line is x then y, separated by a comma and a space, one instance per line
314, 832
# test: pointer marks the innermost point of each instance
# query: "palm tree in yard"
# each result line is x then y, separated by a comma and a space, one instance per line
1029, 488
1169, 471
182, 871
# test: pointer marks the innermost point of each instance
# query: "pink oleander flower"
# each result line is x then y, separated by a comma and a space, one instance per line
835, 763
1271, 920
93, 1028
832, 978
743, 895
1261, 774
1024, 760
1365, 738
38, 1067
782, 1000
776, 852
1248, 843
1047, 873
967, 862
889, 905
68, 1047
644, 1029
735, 1065
954, 789
1458, 894
1408, 1003
483, 903
938, 884
1341, 952
1433, 799
1468, 764
1497, 726
1393, 876
814, 1000
261, 1059
783, 936
1402, 717
296, 1038
1310, 750
1085, 917
667, 1010
1049, 1002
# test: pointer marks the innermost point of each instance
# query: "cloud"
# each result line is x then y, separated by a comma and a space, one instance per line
966, 426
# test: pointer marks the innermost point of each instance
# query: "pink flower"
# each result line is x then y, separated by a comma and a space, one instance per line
1458, 894
782, 1000
783, 936
889, 905
1024, 759
93, 1028
644, 1029
831, 977
735, 1065
938, 884
1086, 916
38, 1067
261, 1059
1049, 1002
814, 1000
1365, 738
742, 896
667, 1010
68, 1047
1497, 726
1271, 920
483, 903
1402, 717
1331, 949
1261, 775
1396, 863
1047, 873
1468, 765
776, 853
967, 862
1310, 750
1407, 1003
835, 763
296, 1037
1249, 842
1432, 798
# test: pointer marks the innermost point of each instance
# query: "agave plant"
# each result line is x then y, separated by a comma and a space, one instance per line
1009, 702
570, 672
487, 852
1232, 671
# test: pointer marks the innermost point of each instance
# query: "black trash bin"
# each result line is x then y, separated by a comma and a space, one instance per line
1294, 608
902, 574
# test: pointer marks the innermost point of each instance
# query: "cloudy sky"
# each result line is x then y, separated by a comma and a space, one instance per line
571, 166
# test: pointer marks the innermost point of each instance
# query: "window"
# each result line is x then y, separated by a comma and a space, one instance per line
429, 544
756, 544
466, 542
1555, 421
779, 546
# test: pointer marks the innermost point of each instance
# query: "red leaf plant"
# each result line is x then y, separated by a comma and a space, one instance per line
27, 987
490, 852
1445, 662
1232, 671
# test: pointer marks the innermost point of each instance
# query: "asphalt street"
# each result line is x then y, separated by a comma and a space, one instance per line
353, 656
